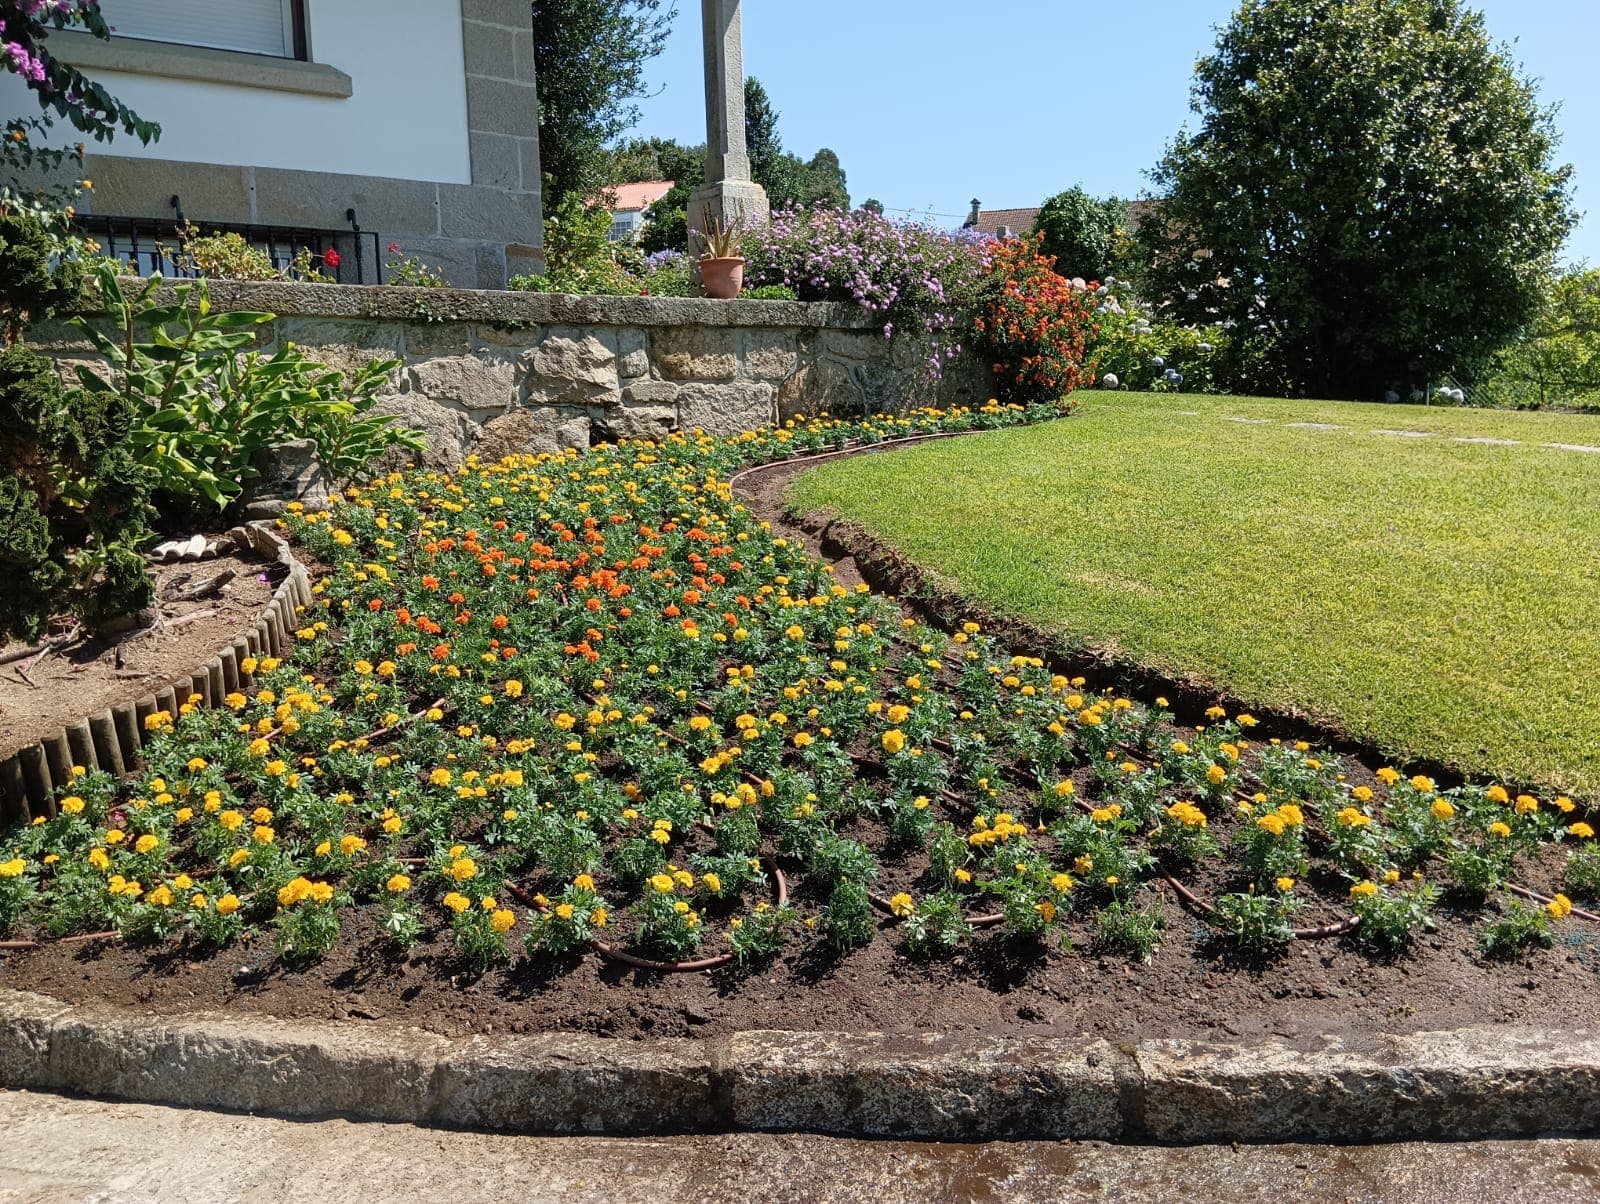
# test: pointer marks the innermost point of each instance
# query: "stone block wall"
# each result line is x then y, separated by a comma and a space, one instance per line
497, 373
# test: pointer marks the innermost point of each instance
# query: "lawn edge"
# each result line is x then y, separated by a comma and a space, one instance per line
940, 601
1465, 1084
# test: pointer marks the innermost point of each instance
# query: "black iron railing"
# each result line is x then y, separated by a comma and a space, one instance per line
152, 245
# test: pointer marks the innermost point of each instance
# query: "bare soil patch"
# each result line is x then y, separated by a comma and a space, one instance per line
39, 696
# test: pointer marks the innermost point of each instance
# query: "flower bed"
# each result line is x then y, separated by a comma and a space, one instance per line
571, 698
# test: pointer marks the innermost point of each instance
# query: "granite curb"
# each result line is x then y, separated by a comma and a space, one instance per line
1474, 1083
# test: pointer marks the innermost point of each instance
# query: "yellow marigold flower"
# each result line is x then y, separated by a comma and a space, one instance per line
393, 824
583, 882
1499, 828
321, 892
398, 884
1216, 713
1565, 805
1581, 830
1061, 883
275, 769
503, 918
1497, 794
457, 902
1284, 883
198, 902
1526, 804
146, 844
1391, 876
98, 859
1063, 789
712, 883
1422, 784
1271, 823
1388, 776
440, 777
1364, 889
1362, 794
463, 869
228, 904
894, 740
902, 905
513, 688
72, 804
662, 883
1442, 809
262, 834
238, 857
1047, 909
1349, 817
1559, 907
323, 849
795, 632
13, 868
1216, 775
1291, 815
114, 836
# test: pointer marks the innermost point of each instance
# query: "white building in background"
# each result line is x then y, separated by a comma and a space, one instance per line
294, 121
630, 203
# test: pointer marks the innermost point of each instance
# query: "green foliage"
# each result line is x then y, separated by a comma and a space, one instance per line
73, 503
1370, 186
1124, 926
937, 927
847, 918
1255, 921
1582, 875
769, 292
40, 269
590, 57
667, 222
1389, 918
759, 937
1520, 928
1556, 360
1084, 235
578, 257
203, 403
230, 257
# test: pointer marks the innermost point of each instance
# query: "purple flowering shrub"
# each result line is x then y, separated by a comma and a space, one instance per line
922, 282
57, 86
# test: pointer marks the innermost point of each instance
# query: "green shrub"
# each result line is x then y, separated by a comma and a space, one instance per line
1121, 925
1520, 928
578, 257
203, 403
74, 503
1082, 234
40, 271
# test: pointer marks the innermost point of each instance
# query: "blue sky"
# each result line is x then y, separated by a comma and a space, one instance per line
930, 103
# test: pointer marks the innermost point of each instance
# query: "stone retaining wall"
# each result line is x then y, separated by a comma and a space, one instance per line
496, 373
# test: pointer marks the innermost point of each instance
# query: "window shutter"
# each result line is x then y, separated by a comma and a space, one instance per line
255, 26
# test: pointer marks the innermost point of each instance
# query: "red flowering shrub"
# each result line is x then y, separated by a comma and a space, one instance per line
1033, 326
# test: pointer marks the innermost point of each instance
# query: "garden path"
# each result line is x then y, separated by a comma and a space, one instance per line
60, 1149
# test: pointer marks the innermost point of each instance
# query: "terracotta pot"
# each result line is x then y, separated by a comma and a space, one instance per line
723, 278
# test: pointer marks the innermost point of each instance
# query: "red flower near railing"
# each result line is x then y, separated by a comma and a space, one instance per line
331, 259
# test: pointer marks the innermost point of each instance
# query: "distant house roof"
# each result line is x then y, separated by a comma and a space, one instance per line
991, 221
1020, 221
640, 195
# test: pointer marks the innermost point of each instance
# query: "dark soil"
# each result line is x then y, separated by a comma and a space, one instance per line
85, 678
1191, 989
1194, 987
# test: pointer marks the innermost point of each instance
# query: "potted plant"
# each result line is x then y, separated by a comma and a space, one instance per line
721, 266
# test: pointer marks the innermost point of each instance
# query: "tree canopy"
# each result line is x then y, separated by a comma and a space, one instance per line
1081, 232
1371, 193
590, 56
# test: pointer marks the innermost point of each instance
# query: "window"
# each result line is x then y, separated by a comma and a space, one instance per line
271, 27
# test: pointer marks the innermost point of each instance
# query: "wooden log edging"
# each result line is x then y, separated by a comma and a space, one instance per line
114, 739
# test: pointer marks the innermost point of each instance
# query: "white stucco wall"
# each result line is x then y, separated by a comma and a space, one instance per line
406, 117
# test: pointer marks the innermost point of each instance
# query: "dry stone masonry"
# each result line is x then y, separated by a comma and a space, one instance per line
496, 373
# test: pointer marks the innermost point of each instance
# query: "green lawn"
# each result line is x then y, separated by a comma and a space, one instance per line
1431, 597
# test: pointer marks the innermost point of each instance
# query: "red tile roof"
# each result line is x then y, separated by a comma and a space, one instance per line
640, 195
1018, 221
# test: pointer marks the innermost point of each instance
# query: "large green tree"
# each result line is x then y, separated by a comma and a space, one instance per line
591, 57
1371, 191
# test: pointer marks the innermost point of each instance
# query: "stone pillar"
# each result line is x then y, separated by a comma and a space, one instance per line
729, 195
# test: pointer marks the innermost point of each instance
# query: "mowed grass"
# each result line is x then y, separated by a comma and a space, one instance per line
1436, 599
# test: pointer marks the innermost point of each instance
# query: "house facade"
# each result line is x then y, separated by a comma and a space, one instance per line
338, 124
630, 203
